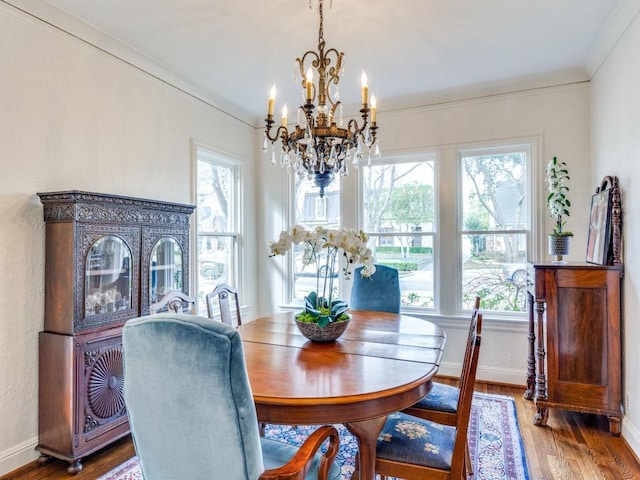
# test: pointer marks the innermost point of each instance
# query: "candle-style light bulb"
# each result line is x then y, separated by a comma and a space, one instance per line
365, 88
374, 108
309, 79
284, 115
272, 100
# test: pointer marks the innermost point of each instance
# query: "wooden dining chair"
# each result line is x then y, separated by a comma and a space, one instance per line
223, 304
413, 448
441, 403
175, 301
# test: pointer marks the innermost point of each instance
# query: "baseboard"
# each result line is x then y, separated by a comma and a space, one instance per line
631, 435
18, 456
491, 374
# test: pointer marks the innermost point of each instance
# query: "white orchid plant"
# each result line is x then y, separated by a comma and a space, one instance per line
557, 199
323, 309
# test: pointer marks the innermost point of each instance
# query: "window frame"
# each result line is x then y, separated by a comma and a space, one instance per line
213, 157
427, 155
529, 147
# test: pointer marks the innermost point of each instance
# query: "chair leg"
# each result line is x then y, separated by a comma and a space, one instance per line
468, 462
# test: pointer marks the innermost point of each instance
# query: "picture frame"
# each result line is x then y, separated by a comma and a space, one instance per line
600, 233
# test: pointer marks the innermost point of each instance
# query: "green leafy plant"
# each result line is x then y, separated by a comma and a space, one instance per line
557, 200
325, 313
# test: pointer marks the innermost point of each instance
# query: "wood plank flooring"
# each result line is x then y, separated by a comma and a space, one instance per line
573, 446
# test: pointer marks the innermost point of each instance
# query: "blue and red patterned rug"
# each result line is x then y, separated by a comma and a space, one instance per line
494, 440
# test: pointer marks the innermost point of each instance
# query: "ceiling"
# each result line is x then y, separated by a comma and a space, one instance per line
415, 52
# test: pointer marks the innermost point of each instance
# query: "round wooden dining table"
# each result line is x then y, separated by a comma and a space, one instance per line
383, 363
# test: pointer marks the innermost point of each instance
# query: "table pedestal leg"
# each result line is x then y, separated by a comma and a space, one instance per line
366, 432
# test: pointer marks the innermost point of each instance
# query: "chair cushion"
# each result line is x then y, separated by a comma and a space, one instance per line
409, 439
275, 454
441, 397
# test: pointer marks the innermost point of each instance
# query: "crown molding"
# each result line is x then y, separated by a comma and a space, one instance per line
620, 21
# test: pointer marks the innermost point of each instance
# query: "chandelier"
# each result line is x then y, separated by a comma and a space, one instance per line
321, 147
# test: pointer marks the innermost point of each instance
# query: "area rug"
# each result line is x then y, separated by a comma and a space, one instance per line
495, 443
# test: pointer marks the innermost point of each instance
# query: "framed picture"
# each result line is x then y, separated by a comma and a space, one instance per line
599, 228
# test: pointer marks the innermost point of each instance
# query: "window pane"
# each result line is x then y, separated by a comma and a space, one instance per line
215, 260
413, 256
312, 211
399, 198
494, 268
214, 197
494, 192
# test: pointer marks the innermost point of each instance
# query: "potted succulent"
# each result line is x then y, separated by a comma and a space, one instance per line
559, 204
324, 317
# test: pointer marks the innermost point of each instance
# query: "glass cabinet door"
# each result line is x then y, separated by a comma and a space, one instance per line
108, 282
166, 268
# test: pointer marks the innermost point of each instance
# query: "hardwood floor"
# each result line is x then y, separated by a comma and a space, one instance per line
572, 446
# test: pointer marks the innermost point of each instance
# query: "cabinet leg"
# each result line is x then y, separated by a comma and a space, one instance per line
74, 467
541, 417
44, 458
614, 426
531, 359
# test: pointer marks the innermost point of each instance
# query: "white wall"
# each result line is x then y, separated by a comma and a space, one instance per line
558, 118
73, 117
616, 151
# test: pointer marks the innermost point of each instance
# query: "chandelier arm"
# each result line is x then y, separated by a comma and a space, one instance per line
281, 132
353, 127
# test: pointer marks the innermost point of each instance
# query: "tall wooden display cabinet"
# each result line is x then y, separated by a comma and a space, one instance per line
107, 259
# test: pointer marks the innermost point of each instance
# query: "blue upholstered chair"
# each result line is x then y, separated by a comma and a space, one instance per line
416, 449
379, 293
191, 409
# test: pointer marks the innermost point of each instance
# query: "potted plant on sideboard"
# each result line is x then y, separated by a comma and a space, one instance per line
558, 203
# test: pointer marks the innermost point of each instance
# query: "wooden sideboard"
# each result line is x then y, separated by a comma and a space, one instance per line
107, 259
574, 360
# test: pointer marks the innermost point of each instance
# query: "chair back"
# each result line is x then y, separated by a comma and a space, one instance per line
467, 383
472, 328
175, 301
379, 293
189, 401
223, 303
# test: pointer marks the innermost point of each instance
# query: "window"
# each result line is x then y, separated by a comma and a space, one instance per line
312, 211
493, 229
217, 223
456, 222
399, 217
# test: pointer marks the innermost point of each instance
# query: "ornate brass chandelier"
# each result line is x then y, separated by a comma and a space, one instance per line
322, 147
